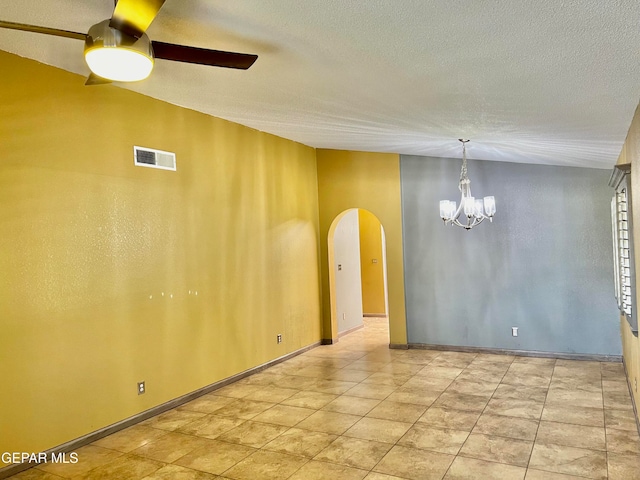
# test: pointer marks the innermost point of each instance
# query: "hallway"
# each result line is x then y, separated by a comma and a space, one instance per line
359, 410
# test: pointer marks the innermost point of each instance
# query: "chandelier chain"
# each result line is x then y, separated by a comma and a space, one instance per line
463, 171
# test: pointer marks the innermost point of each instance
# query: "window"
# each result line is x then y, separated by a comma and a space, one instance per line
623, 259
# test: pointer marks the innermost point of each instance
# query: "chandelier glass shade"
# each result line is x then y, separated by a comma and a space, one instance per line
474, 209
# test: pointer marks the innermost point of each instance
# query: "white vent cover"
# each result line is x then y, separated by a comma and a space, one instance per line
148, 157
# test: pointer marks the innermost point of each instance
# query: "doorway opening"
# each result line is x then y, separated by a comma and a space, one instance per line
357, 270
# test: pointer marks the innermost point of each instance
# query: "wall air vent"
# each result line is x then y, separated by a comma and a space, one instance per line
148, 157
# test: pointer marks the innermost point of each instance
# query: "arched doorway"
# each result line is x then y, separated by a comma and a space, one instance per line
357, 270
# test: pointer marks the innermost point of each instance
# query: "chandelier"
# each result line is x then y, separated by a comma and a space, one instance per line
474, 209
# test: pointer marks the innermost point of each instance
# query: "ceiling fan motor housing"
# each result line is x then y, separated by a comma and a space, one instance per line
116, 56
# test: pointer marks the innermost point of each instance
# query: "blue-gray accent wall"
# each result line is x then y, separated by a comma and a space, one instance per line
544, 265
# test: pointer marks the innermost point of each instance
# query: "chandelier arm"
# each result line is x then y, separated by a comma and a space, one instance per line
471, 222
455, 221
463, 225
459, 209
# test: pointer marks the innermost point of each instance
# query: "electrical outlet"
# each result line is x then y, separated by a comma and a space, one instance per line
279, 338
141, 388
344, 316
514, 331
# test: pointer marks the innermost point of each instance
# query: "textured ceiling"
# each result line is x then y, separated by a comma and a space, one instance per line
547, 81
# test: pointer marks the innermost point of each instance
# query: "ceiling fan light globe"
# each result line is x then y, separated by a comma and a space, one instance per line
111, 54
118, 63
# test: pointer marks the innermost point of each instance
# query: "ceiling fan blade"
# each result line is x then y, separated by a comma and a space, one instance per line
202, 56
47, 31
94, 79
133, 17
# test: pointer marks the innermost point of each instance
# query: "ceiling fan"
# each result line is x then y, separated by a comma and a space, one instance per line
118, 49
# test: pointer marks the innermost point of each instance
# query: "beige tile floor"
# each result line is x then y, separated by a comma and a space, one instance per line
357, 410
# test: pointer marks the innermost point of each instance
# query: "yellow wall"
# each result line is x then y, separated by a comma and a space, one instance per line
372, 273
89, 243
630, 343
370, 181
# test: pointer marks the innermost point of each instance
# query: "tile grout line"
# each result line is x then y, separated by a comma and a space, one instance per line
414, 423
362, 416
308, 460
482, 413
476, 422
544, 404
372, 468
413, 376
